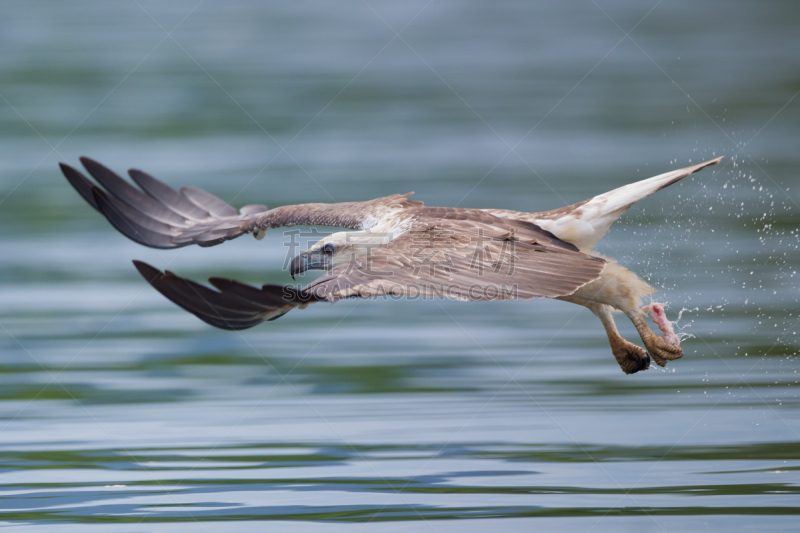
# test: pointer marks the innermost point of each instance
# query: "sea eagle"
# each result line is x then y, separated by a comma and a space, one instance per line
399, 248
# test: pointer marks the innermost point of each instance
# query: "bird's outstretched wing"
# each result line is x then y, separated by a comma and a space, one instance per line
463, 254
234, 306
160, 217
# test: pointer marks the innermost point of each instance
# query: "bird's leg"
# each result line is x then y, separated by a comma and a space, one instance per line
659, 349
630, 357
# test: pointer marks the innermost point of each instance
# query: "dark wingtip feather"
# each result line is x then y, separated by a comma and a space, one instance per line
168, 196
268, 296
80, 183
125, 192
217, 309
222, 283
128, 227
148, 272
91, 165
209, 202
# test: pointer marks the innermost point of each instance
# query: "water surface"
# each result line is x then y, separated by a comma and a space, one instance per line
120, 412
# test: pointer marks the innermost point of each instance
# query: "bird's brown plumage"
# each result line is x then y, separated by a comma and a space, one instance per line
402, 248
463, 254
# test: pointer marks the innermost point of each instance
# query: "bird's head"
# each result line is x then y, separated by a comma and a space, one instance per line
336, 249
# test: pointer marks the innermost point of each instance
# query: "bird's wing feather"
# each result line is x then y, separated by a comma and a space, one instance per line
452, 253
463, 254
233, 306
160, 217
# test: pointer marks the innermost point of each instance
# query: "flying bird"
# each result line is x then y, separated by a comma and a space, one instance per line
398, 247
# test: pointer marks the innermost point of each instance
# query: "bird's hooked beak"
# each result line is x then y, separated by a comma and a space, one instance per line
310, 260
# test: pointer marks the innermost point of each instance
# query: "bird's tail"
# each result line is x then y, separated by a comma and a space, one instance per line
584, 223
616, 202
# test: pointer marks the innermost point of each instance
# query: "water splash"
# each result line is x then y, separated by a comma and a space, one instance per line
682, 334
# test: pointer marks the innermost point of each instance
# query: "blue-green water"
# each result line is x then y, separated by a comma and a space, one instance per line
120, 412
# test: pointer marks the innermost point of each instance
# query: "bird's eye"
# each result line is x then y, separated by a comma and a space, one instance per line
328, 249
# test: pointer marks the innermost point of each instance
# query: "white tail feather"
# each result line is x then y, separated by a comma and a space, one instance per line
585, 223
619, 200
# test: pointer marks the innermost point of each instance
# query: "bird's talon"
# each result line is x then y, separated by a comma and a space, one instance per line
658, 360
630, 357
661, 351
